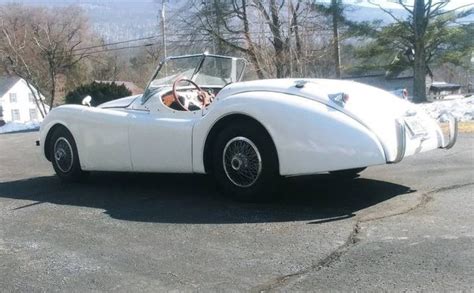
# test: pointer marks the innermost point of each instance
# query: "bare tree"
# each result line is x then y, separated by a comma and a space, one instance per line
40, 44
234, 21
272, 14
58, 37
16, 55
252, 27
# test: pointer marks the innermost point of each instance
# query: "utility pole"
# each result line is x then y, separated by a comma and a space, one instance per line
214, 8
289, 39
163, 25
337, 48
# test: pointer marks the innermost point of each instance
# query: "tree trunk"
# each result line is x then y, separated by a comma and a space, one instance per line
251, 50
419, 69
218, 45
37, 99
253, 57
419, 73
294, 28
53, 90
278, 44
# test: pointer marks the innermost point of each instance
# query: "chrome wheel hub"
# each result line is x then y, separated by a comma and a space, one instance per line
63, 154
242, 161
237, 162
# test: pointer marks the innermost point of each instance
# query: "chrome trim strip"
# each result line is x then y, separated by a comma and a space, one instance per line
453, 131
401, 141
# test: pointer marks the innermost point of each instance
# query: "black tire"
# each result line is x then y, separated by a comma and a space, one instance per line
349, 173
250, 136
61, 147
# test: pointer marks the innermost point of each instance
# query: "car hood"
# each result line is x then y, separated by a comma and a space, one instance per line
119, 103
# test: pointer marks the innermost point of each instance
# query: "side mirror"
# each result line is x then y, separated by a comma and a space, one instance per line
87, 101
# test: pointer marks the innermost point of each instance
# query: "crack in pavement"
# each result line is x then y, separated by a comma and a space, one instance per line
425, 199
352, 240
332, 257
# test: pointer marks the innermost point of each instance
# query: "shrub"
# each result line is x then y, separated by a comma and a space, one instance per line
100, 93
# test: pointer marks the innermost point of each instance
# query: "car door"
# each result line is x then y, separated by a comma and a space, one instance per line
161, 140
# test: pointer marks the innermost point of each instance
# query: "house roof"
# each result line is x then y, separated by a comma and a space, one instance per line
7, 82
136, 90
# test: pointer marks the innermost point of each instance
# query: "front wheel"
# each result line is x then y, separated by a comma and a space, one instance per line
64, 156
245, 162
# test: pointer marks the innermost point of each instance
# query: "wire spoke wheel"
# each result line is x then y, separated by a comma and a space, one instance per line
242, 161
63, 154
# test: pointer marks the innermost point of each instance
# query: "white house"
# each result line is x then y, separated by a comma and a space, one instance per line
17, 101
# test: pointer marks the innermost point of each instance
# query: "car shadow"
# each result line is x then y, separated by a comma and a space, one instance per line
168, 198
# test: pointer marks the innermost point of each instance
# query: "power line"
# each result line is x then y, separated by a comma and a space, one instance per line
139, 46
172, 42
116, 49
81, 51
116, 43
190, 33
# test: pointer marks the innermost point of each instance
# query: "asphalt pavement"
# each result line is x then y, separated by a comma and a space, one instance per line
408, 226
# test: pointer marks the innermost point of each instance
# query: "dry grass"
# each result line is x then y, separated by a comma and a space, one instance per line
466, 127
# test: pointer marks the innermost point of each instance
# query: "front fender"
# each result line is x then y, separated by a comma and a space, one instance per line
101, 135
65, 116
309, 137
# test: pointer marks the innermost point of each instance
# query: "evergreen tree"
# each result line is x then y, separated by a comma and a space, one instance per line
100, 93
428, 35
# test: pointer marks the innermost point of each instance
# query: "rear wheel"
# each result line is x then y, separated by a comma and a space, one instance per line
245, 162
349, 173
64, 156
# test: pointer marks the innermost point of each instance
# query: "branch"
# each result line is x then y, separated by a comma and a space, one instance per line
409, 25
452, 10
262, 10
405, 7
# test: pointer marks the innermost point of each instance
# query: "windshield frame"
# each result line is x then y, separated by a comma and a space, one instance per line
203, 56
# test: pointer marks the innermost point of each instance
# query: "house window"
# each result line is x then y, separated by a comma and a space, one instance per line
15, 115
33, 114
31, 98
13, 98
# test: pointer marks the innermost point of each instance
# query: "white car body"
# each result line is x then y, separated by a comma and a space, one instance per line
312, 129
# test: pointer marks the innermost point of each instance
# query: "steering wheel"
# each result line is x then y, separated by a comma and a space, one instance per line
203, 96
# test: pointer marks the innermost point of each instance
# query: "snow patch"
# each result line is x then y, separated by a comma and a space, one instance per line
460, 107
19, 126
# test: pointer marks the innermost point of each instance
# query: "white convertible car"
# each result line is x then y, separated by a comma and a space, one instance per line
197, 117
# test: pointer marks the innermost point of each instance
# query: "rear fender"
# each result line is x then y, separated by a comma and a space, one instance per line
310, 137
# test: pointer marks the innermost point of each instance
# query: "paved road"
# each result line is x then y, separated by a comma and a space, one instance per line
408, 226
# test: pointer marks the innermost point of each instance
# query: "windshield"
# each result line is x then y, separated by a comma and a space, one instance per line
204, 69
173, 68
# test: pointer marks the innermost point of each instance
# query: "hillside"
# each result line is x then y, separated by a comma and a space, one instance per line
120, 19
127, 19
